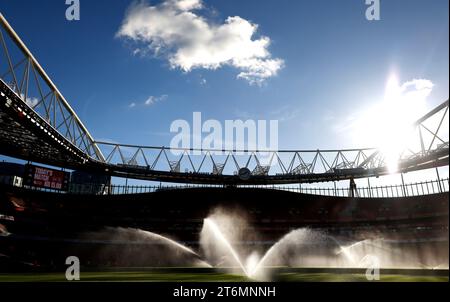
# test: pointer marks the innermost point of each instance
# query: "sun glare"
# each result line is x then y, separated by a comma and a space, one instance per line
389, 124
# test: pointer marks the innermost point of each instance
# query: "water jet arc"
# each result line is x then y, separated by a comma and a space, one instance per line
216, 231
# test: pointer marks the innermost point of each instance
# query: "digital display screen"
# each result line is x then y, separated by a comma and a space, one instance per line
46, 178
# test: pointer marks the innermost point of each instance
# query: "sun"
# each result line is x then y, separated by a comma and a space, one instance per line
389, 124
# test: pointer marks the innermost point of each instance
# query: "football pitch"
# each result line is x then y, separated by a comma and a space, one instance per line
196, 275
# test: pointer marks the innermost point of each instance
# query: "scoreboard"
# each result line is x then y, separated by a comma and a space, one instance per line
41, 177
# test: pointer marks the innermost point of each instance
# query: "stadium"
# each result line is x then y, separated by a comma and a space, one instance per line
197, 215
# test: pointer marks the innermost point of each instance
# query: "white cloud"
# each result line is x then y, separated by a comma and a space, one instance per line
30, 101
189, 41
155, 99
185, 5
417, 89
150, 101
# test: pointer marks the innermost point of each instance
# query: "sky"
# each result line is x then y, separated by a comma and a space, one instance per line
130, 68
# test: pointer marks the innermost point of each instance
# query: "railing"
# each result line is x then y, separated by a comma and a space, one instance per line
391, 191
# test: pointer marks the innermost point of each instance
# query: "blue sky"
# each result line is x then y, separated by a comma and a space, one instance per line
335, 64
